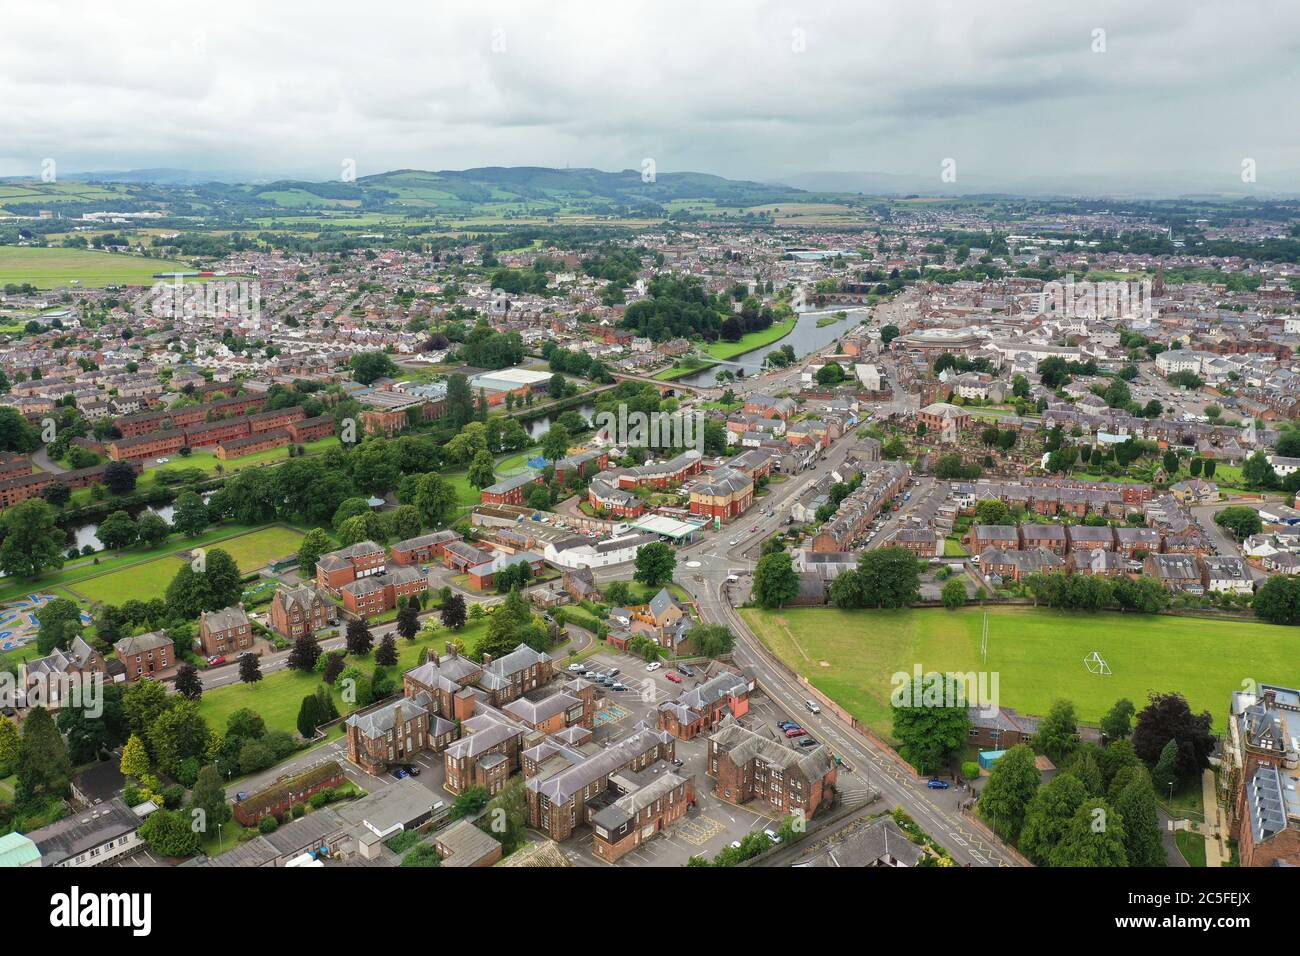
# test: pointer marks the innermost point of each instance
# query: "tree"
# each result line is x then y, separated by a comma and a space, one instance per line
151, 528
135, 759
58, 625
617, 593
469, 802
655, 563
888, 333
1240, 520
435, 499
1012, 784
1118, 722
1094, 836
119, 477
453, 612
408, 621
225, 583
386, 653
314, 543
775, 580
359, 639
1165, 772
928, 730
210, 797
1058, 733
1257, 472
1048, 814
1278, 600
334, 666
712, 640
169, 834
188, 683
190, 517
369, 366
142, 702
992, 511
43, 768
308, 717
117, 531
890, 577
250, 669
954, 593
1142, 837
8, 744
33, 541
481, 470
555, 443
306, 652
1168, 717
179, 734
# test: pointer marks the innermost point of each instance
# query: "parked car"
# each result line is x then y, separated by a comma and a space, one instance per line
400, 773
617, 686
807, 742
934, 783
787, 724
577, 667
216, 659
735, 844
614, 672
653, 666
733, 542
686, 669
674, 677
412, 769
795, 732
811, 707
772, 835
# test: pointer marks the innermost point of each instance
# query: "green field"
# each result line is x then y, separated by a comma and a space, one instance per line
753, 340
149, 579
278, 696
1037, 653
57, 267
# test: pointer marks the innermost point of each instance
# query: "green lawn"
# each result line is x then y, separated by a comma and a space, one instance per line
278, 695
753, 340
52, 268
1038, 655
149, 579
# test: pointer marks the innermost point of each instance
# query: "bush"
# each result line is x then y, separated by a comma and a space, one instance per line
173, 796
298, 810
970, 769
268, 824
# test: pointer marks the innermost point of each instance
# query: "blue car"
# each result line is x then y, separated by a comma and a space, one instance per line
400, 773
934, 783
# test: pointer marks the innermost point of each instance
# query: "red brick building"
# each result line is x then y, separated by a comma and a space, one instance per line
790, 780
147, 655
337, 568
424, 549
301, 610
224, 632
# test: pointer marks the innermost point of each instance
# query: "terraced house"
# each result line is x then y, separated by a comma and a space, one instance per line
301, 610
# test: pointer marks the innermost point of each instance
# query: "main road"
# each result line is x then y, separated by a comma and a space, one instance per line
934, 810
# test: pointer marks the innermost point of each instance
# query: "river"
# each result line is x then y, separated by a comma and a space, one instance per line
805, 338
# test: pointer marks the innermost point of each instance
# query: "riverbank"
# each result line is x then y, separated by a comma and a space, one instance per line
753, 340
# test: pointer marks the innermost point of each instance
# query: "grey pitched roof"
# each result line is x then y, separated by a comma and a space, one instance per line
376, 723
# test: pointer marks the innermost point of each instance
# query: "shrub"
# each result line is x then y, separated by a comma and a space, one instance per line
268, 824
970, 769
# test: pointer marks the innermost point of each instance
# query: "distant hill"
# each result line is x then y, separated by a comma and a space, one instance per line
493, 191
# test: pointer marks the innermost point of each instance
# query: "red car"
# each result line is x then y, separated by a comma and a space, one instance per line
214, 661
673, 676
795, 732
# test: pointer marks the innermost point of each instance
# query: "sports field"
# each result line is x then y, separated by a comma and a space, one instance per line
1037, 653
57, 267
149, 580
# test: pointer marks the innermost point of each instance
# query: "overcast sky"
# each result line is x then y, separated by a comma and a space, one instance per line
1012, 91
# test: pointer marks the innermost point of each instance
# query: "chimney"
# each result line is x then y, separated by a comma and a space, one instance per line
450, 649
487, 659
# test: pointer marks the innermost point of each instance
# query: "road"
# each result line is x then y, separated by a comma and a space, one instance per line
934, 810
